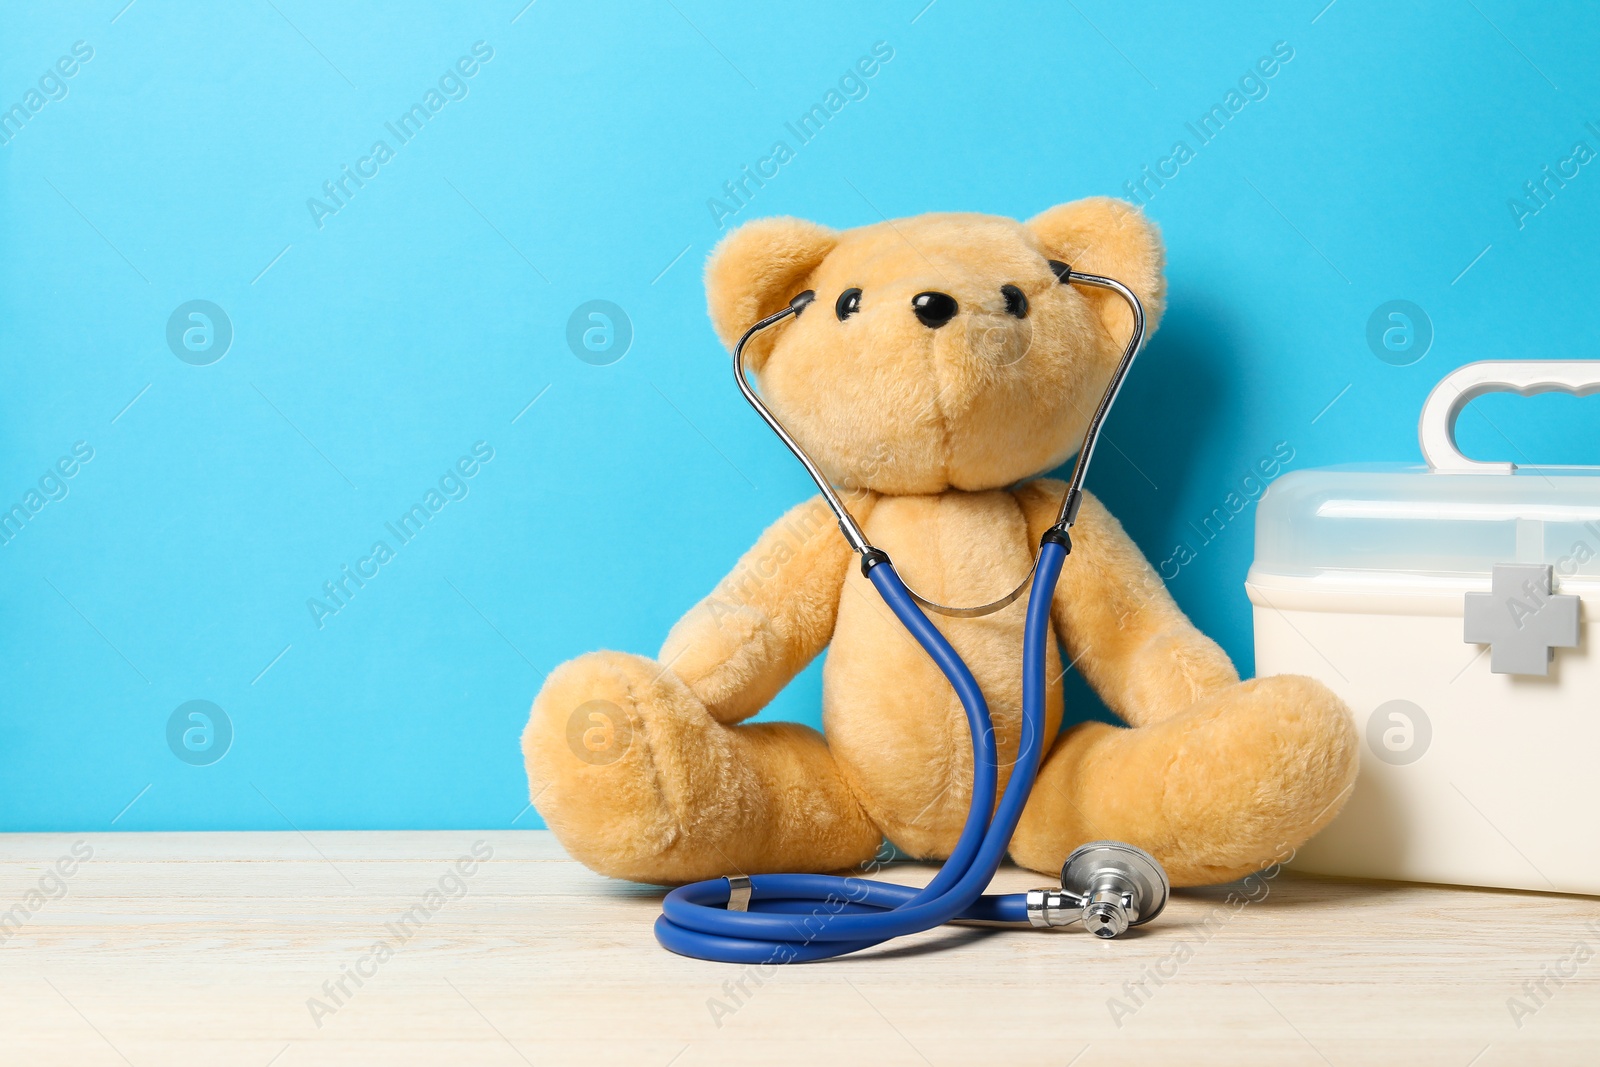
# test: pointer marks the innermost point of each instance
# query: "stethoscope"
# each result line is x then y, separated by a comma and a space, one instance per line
797, 918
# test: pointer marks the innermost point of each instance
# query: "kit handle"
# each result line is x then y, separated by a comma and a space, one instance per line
1436, 430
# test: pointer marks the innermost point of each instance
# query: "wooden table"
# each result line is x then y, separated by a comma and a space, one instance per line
262, 949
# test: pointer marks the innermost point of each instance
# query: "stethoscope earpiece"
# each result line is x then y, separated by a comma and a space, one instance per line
1071, 500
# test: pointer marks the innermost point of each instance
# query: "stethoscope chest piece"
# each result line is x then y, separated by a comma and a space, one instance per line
1110, 885
1125, 886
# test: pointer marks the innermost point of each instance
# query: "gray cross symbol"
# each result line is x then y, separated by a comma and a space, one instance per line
1521, 620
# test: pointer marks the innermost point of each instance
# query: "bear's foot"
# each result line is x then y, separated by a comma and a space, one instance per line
638, 781
1229, 786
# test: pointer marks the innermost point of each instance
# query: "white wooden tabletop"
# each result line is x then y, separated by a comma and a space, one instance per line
232, 948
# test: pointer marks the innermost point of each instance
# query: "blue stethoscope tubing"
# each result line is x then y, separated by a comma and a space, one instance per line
800, 918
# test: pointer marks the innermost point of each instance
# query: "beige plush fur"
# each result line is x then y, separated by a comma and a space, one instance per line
645, 768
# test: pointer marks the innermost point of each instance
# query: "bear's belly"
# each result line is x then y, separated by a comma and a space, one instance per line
892, 720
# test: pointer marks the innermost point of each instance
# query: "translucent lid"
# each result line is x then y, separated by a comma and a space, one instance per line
1414, 520
1453, 517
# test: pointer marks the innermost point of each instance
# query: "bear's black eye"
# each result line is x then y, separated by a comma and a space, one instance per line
848, 304
1016, 301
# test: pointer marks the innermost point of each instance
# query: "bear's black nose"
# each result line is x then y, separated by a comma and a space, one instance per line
933, 310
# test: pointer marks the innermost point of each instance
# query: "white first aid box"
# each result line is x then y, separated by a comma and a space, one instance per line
1450, 606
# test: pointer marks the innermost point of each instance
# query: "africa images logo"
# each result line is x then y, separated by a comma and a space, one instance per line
451, 86
852, 85
50, 87
453, 485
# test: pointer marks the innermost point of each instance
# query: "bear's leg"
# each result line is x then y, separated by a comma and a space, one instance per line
1230, 785
638, 781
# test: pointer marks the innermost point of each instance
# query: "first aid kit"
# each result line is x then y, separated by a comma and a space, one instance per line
1450, 606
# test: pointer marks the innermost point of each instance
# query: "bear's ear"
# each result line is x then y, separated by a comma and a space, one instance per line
756, 270
1099, 235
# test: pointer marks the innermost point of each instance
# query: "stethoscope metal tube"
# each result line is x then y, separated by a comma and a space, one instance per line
847, 522
1091, 437
795, 918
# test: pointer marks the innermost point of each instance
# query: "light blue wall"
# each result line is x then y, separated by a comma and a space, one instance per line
370, 352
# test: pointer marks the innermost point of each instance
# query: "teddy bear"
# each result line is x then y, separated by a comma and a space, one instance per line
941, 366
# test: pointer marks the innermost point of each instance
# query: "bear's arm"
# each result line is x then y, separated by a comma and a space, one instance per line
767, 619
1117, 621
